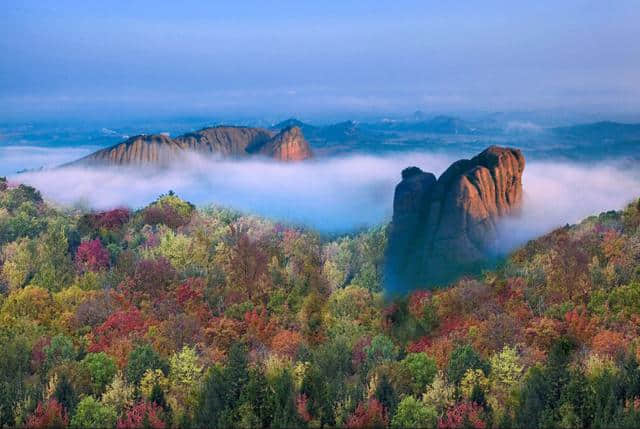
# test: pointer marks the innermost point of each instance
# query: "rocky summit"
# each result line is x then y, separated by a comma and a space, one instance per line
447, 226
226, 141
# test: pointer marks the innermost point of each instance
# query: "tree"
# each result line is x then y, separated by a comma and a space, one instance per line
91, 256
18, 266
463, 358
185, 375
102, 368
463, 415
286, 343
369, 414
119, 395
50, 414
505, 376
386, 394
92, 414
59, 350
14, 366
212, 401
53, 263
142, 415
141, 359
412, 413
282, 401
65, 394
422, 368
381, 349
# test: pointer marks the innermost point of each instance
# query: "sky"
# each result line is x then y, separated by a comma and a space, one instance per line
305, 58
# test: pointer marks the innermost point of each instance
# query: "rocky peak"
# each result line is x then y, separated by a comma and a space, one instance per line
444, 227
226, 141
288, 145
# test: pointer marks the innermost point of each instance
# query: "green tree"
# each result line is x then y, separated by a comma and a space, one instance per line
102, 368
463, 358
18, 266
422, 368
54, 269
92, 414
413, 413
65, 394
141, 359
14, 366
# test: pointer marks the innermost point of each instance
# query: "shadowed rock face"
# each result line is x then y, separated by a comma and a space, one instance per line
445, 227
226, 141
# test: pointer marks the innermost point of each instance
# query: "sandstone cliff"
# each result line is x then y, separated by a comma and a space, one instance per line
448, 226
288, 145
225, 141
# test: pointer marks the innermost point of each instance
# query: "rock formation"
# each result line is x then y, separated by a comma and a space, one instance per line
288, 145
225, 141
442, 228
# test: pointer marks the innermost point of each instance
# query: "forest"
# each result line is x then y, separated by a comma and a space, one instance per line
177, 316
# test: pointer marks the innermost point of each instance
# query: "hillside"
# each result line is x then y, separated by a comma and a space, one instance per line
176, 316
224, 141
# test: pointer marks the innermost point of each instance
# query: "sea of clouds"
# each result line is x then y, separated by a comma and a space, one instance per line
333, 195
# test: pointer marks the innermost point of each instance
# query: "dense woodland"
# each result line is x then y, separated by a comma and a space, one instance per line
172, 316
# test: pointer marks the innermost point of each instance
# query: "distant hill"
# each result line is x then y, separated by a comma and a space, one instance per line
342, 132
605, 130
227, 141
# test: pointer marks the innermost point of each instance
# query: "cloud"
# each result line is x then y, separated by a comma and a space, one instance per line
332, 195
16, 158
557, 193
337, 194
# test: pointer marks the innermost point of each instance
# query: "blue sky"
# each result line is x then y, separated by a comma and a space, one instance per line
261, 57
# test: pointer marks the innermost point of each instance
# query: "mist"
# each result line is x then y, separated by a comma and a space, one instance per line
336, 195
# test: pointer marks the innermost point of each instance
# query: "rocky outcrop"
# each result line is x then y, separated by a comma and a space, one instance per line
442, 228
225, 141
288, 145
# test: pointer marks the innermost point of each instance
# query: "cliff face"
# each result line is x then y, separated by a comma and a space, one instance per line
287, 145
444, 227
226, 141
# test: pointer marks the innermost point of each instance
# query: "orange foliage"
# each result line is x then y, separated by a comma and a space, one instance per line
580, 325
440, 349
609, 343
223, 331
542, 332
259, 326
286, 343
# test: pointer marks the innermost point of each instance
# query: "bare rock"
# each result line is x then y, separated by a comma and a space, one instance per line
224, 141
442, 228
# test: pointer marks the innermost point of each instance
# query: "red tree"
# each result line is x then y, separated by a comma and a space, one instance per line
368, 414
463, 415
119, 325
142, 415
91, 256
51, 414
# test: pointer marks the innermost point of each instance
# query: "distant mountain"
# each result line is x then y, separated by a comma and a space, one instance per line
605, 130
226, 141
347, 131
441, 124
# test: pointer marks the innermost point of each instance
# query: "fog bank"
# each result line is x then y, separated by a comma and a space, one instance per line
337, 194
